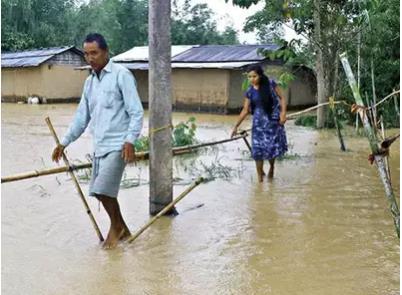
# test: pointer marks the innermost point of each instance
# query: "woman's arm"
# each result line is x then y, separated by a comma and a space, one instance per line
282, 119
243, 114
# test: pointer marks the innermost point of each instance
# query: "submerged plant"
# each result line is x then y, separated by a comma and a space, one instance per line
182, 134
214, 170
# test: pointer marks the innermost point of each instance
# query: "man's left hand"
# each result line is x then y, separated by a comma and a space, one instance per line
128, 153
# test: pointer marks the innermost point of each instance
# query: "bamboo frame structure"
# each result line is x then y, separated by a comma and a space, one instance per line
373, 141
77, 185
165, 210
139, 156
292, 115
43, 172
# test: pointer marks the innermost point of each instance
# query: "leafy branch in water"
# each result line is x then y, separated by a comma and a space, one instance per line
182, 134
213, 170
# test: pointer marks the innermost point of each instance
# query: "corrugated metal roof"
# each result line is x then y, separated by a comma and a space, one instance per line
181, 65
212, 65
224, 53
140, 53
32, 58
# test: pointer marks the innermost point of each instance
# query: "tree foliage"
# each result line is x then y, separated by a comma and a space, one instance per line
341, 22
124, 23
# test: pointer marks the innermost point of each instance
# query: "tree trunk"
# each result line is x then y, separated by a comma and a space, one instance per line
160, 106
319, 66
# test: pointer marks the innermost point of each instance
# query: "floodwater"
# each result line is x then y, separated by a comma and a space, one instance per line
322, 226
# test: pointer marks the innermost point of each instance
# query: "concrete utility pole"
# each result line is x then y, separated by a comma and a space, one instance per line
160, 106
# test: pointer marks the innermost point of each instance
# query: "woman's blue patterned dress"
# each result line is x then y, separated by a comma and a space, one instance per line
268, 135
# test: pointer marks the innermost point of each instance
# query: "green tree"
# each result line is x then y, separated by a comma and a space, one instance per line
327, 25
196, 25
39, 23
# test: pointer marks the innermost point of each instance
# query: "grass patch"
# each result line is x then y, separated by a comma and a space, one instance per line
306, 121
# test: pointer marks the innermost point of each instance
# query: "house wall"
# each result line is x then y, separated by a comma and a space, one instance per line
236, 93
141, 77
62, 82
300, 92
303, 90
219, 90
193, 89
200, 89
54, 82
19, 83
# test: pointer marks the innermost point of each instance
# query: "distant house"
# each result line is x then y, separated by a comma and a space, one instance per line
46, 73
210, 77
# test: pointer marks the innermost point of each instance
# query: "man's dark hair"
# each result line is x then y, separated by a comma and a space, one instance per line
98, 38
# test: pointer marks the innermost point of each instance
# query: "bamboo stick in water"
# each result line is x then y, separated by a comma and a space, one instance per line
373, 141
165, 210
77, 185
139, 156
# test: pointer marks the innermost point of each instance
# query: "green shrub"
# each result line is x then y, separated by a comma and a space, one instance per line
182, 134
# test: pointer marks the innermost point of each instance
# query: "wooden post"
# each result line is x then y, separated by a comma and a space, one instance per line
160, 106
370, 133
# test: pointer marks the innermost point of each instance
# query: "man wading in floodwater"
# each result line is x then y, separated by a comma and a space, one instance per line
110, 102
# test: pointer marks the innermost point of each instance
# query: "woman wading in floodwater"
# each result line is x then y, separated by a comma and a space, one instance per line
265, 102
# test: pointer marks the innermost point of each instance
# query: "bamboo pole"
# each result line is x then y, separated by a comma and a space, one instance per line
292, 115
77, 185
387, 97
247, 143
37, 173
165, 210
395, 103
139, 156
383, 138
191, 147
379, 158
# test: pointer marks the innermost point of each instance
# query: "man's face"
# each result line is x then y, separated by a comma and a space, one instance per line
96, 57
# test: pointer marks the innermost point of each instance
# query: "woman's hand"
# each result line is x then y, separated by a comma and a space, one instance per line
282, 118
234, 132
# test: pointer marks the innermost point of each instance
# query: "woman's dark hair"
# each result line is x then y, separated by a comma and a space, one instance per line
264, 90
98, 38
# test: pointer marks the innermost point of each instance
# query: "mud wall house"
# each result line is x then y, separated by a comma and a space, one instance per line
46, 73
210, 77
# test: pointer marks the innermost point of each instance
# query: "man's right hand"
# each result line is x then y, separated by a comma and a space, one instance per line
57, 153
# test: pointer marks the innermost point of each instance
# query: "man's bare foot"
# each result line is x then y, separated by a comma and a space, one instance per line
271, 172
113, 238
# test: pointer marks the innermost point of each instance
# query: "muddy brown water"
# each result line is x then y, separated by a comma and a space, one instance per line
320, 227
